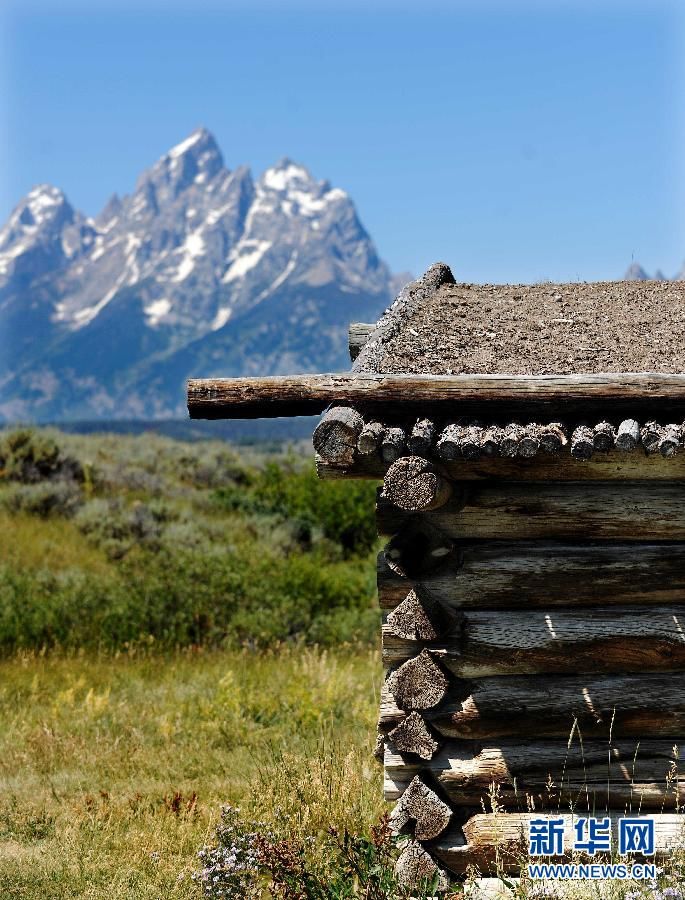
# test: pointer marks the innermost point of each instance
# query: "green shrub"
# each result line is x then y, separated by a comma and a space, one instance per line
341, 511
29, 457
46, 498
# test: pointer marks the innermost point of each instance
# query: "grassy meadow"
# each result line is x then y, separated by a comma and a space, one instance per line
113, 768
181, 626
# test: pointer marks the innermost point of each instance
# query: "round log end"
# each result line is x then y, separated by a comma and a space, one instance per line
414, 484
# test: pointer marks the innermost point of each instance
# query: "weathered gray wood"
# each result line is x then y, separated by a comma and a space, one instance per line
419, 683
650, 436
512, 435
422, 438
335, 437
212, 398
554, 437
533, 574
614, 465
671, 441
415, 484
595, 775
413, 736
415, 868
604, 436
420, 619
369, 440
492, 441
627, 706
530, 443
416, 550
358, 334
628, 435
422, 806
651, 511
471, 440
393, 444
497, 842
521, 642
582, 442
448, 445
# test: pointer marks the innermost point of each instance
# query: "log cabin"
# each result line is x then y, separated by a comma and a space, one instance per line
529, 442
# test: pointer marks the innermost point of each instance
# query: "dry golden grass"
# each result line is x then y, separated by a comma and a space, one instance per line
113, 769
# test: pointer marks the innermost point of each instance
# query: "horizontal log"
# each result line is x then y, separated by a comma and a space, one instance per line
522, 642
650, 705
358, 334
652, 511
525, 574
609, 466
592, 775
498, 842
292, 395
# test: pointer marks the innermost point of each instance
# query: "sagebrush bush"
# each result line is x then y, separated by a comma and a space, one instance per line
29, 456
45, 498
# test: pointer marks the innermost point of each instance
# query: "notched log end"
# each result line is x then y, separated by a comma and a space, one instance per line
420, 618
415, 868
418, 683
421, 805
412, 735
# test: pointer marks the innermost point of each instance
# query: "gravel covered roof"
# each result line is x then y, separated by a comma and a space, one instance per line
437, 326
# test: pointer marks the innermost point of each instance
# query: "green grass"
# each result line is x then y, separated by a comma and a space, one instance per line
113, 768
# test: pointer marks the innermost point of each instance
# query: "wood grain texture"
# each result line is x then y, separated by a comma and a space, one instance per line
612, 465
592, 775
211, 398
420, 810
648, 511
649, 705
413, 483
358, 334
532, 574
487, 840
529, 574
335, 437
592, 640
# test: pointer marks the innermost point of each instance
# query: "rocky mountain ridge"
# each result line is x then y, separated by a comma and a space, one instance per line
201, 270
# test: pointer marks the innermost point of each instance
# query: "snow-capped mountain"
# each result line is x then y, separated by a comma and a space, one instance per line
200, 271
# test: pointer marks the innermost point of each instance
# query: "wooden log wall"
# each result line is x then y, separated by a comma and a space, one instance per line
533, 596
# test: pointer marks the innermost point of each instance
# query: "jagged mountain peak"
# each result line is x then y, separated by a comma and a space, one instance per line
199, 270
43, 207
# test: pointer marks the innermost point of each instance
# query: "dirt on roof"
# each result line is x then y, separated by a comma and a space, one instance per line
442, 328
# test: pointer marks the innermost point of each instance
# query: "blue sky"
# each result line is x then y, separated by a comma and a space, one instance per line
516, 141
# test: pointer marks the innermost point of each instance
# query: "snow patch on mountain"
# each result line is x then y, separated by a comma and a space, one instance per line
198, 263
